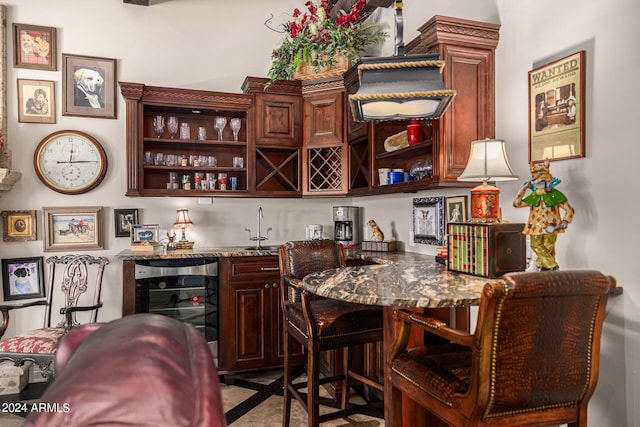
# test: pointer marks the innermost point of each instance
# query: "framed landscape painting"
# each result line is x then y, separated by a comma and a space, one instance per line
76, 228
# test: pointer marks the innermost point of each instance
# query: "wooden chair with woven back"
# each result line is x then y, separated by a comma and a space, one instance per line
320, 324
79, 274
533, 359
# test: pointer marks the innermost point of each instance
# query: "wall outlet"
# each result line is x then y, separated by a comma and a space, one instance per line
205, 200
412, 241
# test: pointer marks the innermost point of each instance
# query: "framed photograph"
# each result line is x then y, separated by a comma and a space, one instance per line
557, 109
456, 209
34, 47
142, 234
124, 219
36, 101
18, 226
74, 228
88, 86
429, 220
22, 278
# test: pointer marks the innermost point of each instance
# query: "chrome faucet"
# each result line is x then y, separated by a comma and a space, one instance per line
259, 238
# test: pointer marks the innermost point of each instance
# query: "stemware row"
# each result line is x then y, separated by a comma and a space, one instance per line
219, 125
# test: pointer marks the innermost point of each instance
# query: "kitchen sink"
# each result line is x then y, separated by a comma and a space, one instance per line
261, 248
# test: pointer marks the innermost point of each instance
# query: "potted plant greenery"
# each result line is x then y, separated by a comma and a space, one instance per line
317, 44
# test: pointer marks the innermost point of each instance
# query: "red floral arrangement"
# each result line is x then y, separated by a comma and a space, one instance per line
317, 38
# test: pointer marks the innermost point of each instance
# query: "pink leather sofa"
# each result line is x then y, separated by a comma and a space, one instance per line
141, 370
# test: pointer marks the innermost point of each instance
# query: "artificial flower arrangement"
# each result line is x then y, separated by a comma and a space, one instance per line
320, 40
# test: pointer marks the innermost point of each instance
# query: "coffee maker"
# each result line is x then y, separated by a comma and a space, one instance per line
346, 226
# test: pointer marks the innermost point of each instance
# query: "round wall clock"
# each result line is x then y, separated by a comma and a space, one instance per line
70, 162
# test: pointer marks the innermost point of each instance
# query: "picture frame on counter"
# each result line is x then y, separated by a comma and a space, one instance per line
145, 234
36, 101
429, 220
73, 228
88, 86
22, 278
19, 226
456, 209
124, 219
557, 109
35, 47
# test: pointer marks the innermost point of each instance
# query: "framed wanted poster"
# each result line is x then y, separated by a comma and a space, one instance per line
556, 109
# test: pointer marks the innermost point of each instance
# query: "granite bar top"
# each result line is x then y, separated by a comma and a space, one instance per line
221, 252
409, 280
231, 251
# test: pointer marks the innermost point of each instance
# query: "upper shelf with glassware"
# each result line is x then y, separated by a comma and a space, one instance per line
188, 142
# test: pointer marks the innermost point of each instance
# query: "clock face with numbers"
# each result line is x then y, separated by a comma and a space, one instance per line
70, 162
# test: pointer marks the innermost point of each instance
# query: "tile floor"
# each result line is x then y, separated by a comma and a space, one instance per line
255, 400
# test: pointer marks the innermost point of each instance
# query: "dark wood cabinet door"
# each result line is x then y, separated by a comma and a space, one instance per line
323, 119
249, 314
278, 120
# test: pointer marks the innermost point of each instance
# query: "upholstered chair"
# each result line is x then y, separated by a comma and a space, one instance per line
533, 359
320, 324
79, 274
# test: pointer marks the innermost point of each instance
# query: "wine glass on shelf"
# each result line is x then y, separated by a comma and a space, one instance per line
221, 122
235, 123
158, 125
173, 126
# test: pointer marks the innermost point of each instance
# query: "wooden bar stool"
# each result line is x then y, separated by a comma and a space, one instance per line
320, 324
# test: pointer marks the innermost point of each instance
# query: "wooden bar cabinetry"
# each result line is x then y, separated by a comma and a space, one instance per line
278, 129
251, 327
148, 176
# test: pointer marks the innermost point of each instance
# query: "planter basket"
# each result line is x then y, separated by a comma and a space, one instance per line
307, 71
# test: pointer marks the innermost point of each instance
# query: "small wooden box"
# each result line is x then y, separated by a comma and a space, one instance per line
487, 250
375, 246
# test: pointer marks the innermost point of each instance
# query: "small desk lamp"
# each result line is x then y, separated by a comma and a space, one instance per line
487, 162
182, 220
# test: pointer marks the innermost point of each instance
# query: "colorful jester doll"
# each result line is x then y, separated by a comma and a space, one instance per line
545, 220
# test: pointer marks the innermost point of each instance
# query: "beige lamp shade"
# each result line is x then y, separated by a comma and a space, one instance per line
488, 162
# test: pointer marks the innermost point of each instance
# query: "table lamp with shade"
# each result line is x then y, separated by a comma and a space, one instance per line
182, 221
487, 162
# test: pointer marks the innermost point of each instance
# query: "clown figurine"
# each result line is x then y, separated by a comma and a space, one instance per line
545, 221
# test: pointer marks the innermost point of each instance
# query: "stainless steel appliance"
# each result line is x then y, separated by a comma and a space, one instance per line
185, 289
346, 225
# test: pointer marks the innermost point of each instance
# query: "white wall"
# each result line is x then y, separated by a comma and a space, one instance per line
200, 44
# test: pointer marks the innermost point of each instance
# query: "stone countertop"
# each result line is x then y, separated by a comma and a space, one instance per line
400, 280
231, 251
221, 252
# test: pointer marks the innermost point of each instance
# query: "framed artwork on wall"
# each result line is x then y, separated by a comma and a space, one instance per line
36, 101
34, 47
557, 109
88, 86
429, 220
124, 219
22, 278
74, 228
19, 226
456, 209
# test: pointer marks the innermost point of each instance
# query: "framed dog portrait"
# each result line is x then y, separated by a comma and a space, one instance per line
18, 226
557, 109
68, 229
22, 278
88, 86
428, 220
34, 47
124, 219
36, 101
